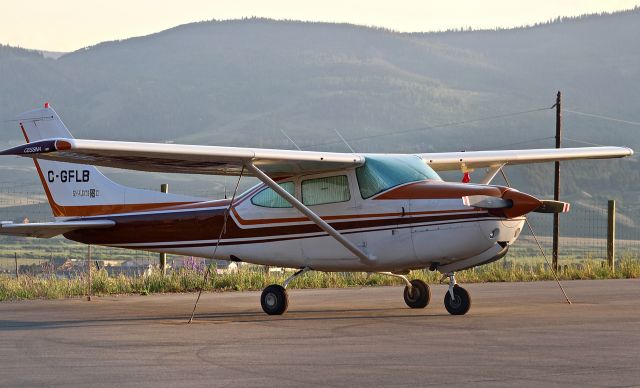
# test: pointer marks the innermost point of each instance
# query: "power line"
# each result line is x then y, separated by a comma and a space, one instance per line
584, 142
524, 142
602, 117
443, 125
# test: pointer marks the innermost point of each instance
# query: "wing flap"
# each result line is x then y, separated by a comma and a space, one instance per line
51, 229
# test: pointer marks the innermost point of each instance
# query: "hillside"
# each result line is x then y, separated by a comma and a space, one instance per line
242, 82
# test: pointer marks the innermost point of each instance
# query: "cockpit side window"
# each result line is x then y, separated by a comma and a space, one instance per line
329, 189
269, 198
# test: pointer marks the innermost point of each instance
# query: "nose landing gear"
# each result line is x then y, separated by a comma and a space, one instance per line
457, 300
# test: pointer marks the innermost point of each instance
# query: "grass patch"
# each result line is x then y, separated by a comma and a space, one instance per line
184, 280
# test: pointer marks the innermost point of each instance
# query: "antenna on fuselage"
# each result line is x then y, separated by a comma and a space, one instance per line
344, 140
290, 139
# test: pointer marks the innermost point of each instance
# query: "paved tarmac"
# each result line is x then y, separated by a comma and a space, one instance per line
516, 334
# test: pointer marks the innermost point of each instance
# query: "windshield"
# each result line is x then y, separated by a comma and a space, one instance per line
381, 172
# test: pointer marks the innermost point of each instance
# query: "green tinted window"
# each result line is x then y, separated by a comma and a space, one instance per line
269, 198
381, 172
325, 190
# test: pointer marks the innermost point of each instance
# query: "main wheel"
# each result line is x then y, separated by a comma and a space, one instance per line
274, 300
418, 296
461, 302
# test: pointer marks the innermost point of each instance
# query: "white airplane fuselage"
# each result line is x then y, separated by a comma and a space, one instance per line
411, 226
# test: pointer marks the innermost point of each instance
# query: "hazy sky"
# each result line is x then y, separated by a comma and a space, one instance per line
66, 25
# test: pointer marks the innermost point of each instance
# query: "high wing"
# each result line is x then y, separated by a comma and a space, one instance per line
214, 160
182, 158
476, 159
51, 229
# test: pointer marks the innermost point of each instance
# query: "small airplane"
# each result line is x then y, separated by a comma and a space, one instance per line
320, 211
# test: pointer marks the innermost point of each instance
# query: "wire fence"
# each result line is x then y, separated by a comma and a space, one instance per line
583, 236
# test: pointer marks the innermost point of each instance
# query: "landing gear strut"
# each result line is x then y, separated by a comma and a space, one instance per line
457, 300
274, 298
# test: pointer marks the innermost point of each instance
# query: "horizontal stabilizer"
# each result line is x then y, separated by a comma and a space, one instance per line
51, 229
486, 202
549, 206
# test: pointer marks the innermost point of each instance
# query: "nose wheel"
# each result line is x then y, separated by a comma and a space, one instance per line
457, 300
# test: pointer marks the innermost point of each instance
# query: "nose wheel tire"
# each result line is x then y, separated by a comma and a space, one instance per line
274, 300
460, 303
418, 296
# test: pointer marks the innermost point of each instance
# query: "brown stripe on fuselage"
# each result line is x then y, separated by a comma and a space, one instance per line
205, 225
192, 244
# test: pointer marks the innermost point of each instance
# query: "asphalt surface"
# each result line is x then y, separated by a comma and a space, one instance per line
516, 334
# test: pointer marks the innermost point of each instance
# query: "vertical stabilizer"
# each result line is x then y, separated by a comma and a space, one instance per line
78, 190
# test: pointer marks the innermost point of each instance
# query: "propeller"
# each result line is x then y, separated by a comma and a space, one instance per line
490, 202
549, 206
486, 202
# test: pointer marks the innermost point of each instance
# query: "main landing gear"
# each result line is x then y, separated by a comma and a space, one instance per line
416, 292
274, 299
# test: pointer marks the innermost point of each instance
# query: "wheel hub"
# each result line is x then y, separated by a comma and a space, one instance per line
270, 300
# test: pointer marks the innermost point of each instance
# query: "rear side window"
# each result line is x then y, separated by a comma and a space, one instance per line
269, 198
325, 190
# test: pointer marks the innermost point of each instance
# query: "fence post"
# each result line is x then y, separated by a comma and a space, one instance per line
611, 234
15, 259
163, 256
89, 269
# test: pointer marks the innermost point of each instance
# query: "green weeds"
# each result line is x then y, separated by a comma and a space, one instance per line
184, 280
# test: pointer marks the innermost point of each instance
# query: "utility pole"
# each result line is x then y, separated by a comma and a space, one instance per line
611, 235
163, 256
556, 182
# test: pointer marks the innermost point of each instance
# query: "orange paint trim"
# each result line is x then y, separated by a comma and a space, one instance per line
24, 133
62, 145
58, 211
99, 210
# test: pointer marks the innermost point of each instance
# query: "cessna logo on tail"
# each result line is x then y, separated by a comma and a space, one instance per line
64, 176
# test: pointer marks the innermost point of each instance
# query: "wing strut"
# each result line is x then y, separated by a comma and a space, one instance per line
309, 213
491, 173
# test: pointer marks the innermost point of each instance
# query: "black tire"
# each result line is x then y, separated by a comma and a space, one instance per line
274, 300
419, 296
461, 304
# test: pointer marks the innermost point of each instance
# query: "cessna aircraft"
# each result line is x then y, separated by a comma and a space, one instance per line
321, 211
